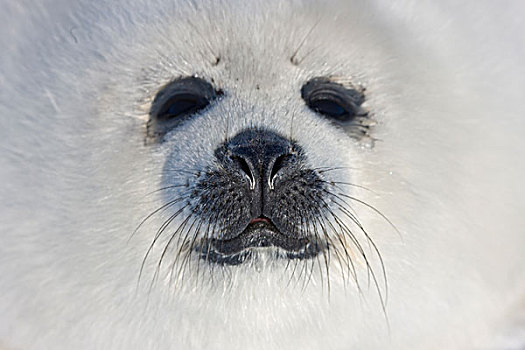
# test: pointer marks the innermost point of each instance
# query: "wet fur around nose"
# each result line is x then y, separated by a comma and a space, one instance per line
266, 173
260, 174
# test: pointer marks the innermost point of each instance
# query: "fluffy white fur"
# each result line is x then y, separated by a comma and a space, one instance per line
444, 81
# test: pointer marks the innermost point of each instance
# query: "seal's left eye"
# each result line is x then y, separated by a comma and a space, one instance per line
176, 102
183, 97
183, 104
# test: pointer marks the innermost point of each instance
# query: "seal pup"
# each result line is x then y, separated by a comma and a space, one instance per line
261, 175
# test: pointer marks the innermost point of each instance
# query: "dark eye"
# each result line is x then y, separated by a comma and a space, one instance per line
176, 102
182, 104
332, 100
182, 97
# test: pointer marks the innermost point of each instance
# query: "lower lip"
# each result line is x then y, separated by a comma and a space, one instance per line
260, 220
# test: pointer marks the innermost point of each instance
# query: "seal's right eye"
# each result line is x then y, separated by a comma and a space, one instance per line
332, 100
177, 101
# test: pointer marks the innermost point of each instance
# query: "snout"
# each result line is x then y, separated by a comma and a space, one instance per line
261, 194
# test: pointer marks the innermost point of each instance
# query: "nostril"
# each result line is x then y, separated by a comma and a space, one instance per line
245, 168
277, 165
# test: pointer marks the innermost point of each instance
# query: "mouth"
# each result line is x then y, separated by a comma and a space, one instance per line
260, 233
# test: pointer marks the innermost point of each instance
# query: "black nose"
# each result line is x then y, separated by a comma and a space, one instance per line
262, 157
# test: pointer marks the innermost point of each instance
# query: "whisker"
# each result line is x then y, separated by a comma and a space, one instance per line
165, 188
157, 235
376, 249
193, 172
180, 228
375, 210
325, 169
182, 268
160, 209
334, 183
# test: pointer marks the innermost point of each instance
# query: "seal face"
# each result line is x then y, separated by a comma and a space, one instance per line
258, 192
261, 193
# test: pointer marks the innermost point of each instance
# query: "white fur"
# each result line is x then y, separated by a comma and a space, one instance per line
443, 80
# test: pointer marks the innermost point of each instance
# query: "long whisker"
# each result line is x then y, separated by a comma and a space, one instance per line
179, 229
374, 209
383, 269
165, 188
157, 235
160, 209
